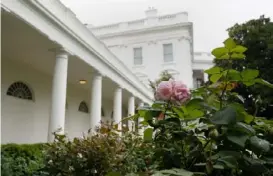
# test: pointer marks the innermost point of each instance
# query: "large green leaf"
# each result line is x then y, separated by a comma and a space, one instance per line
233, 75
195, 113
225, 116
214, 70
230, 43
237, 138
218, 52
148, 134
214, 78
239, 49
249, 74
259, 145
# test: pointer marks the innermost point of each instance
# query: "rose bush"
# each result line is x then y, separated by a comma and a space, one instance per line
207, 131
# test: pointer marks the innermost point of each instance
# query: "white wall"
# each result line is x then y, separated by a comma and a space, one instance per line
24, 121
152, 50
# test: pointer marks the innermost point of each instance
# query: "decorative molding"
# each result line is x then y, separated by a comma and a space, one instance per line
152, 42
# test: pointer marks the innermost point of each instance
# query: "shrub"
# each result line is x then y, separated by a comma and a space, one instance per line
96, 155
212, 133
21, 160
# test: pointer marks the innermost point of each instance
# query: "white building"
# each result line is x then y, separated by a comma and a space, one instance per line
154, 44
57, 74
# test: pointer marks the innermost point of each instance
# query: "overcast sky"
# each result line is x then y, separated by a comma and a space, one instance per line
210, 18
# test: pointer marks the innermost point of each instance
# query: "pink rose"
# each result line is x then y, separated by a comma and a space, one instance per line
164, 90
180, 92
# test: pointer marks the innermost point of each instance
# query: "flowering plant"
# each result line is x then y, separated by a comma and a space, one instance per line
208, 129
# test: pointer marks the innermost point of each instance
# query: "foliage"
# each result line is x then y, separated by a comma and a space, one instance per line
98, 154
212, 134
257, 36
21, 160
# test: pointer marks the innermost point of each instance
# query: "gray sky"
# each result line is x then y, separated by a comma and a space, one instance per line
211, 18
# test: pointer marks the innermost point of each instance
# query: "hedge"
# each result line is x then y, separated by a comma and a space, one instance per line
22, 160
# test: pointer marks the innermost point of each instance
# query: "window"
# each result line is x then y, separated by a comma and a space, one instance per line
20, 90
199, 82
168, 52
83, 107
137, 56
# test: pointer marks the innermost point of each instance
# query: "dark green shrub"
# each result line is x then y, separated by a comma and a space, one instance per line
21, 160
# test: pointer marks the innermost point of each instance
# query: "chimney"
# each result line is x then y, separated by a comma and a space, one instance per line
151, 12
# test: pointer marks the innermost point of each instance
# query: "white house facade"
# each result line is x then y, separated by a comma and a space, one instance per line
57, 74
157, 43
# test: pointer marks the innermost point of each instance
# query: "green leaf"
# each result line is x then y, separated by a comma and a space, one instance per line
249, 83
229, 161
196, 113
237, 56
148, 116
244, 128
263, 82
148, 134
226, 56
249, 74
233, 75
248, 118
259, 145
218, 52
230, 43
178, 111
175, 172
225, 116
237, 138
214, 70
239, 49
214, 78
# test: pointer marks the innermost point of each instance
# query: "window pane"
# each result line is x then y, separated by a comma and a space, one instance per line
168, 58
168, 48
138, 61
138, 56
168, 52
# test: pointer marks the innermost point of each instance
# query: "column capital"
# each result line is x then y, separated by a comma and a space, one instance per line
97, 73
60, 51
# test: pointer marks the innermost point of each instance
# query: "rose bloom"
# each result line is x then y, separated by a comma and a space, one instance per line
164, 90
175, 91
180, 92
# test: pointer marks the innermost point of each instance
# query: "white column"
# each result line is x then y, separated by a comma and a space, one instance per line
58, 100
131, 111
95, 104
206, 77
117, 116
140, 119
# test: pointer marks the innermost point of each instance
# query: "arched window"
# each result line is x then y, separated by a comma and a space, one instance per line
20, 90
83, 107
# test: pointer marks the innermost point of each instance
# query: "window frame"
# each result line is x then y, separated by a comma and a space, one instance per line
168, 54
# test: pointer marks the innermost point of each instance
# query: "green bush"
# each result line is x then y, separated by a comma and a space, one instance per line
96, 155
21, 160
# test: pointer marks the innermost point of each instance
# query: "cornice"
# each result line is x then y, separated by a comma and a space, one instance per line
144, 30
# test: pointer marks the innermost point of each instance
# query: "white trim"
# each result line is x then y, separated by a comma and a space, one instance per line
60, 25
